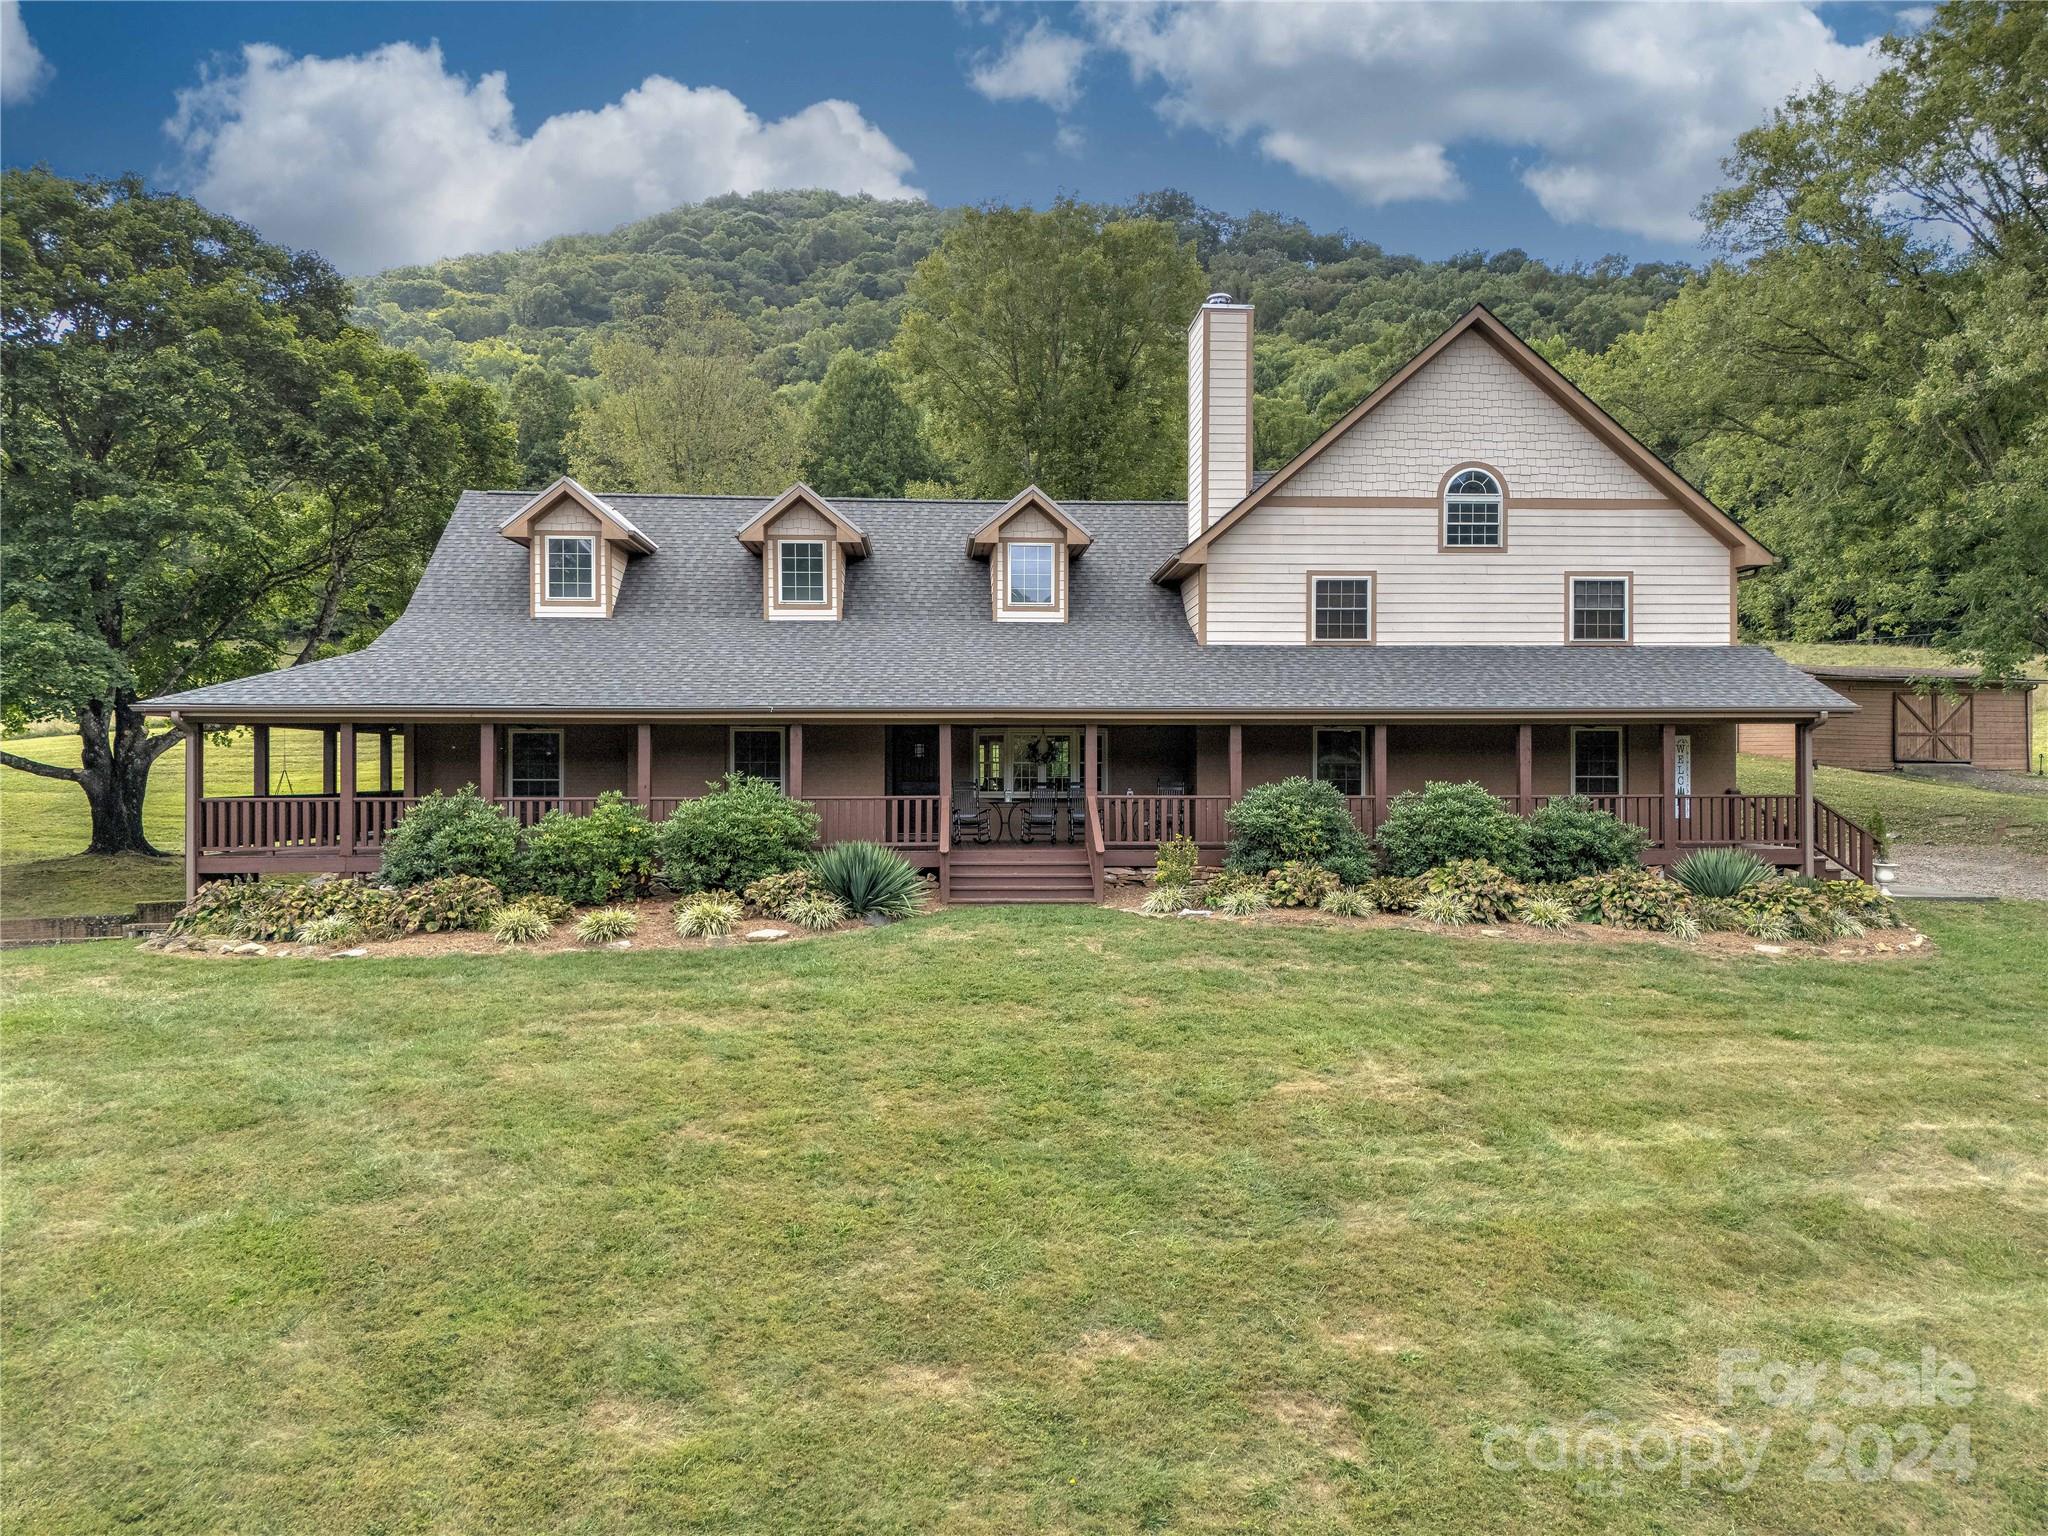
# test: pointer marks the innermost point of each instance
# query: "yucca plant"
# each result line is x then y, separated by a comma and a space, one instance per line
1348, 901
869, 879
520, 924
1166, 900
707, 915
607, 925
1243, 902
815, 911
1721, 872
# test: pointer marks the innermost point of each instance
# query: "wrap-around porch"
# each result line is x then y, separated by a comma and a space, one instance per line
931, 789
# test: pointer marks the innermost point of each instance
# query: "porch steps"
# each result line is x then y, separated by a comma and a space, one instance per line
983, 877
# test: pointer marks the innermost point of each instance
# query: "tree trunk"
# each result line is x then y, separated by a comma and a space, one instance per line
114, 773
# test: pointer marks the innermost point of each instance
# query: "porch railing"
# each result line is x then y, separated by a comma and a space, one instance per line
901, 821
1144, 821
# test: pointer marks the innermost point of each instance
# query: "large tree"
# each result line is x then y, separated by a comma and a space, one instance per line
1049, 348
679, 406
542, 404
1865, 379
205, 467
861, 437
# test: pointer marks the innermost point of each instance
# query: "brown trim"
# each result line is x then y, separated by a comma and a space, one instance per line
195, 792
984, 539
1628, 608
1571, 757
1202, 606
1443, 511
561, 755
754, 532
1000, 565
519, 526
544, 604
1372, 601
1553, 383
227, 717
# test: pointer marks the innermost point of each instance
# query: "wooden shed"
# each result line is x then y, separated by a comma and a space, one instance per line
1913, 716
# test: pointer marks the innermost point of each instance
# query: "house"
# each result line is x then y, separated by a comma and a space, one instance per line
1474, 574
1913, 717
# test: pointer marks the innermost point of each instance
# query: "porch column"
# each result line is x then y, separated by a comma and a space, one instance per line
796, 762
1667, 793
412, 761
945, 810
1090, 755
1802, 787
1379, 773
1525, 769
327, 749
345, 808
195, 790
384, 760
1236, 763
643, 766
487, 761
259, 751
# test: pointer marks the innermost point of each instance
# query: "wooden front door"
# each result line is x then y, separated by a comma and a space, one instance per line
1931, 728
913, 760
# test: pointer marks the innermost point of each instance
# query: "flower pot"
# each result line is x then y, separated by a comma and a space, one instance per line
1886, 872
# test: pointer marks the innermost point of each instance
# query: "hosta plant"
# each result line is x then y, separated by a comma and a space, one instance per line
1348, 901
771, 895
815, 911
707, 915
1630, 898
445, 905
1393, 893
1489, 891
607, 925
520, 924
1298, 883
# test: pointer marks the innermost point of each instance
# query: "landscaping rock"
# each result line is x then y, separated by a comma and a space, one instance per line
350, 954
620, 944
1770, 949
768, 935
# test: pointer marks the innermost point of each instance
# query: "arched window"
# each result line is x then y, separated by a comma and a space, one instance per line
1472, 511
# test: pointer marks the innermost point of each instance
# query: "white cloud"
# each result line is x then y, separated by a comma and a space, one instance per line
387, 157
1038, 64
1622, 112
23, 69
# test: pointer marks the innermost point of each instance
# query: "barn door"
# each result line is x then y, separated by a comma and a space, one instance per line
1931, 728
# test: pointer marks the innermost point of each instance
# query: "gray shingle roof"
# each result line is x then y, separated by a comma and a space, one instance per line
688, 636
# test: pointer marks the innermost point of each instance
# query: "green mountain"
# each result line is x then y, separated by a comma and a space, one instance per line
810, 273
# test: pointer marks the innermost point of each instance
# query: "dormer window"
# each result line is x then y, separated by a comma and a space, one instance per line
804, 543
1474, 511
1031, 579
803, 570
572, 568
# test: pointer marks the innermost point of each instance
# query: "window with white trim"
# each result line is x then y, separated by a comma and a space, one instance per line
1340, 758
803, 571
1343, 609
1596, 760
757, 752
533, 764
1472, 507
1031, 575
571, 568
1599, 608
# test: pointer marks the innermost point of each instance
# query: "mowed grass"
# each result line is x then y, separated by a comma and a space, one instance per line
1013, 1220
1915, 810
45, 823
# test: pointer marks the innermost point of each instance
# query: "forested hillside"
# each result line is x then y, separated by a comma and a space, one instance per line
810, 273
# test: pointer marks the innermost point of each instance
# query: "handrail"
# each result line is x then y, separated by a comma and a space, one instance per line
1095, 843
1843, 841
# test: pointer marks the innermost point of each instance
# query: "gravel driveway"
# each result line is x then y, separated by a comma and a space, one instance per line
1926, 869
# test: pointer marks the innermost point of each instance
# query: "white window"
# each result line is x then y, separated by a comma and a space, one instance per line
1596, 760
803, 571
1343, 609
757, 752
1472, 511
1031, 572
572, 568
1340, 758
533, 764
1600, 609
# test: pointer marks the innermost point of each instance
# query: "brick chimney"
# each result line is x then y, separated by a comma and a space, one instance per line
1219, 410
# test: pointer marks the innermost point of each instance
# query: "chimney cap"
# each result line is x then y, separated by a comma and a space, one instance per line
1215, 299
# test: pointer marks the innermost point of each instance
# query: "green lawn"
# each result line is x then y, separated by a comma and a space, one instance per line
44, 822
1915, 810
1047, 1219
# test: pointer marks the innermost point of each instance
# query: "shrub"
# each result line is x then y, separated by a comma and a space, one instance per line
549, 906
458, 834
1450, 908
1880, 836
1224, 881
1300, 884
1873, 907
1625, 898
520, 924
771, 895
585, 860
446, 905
607, 925
1296, 820
1348, 901
815, 911
1177, 860
1245, 901
1788, 909
707, 915
1721, 872
744, 829
1570, 837
1393, 893
1446, 822
1544, 912
869, 879
1166, 900
1490, 894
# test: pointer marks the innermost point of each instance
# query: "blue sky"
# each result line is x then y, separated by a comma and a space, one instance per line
381, 133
